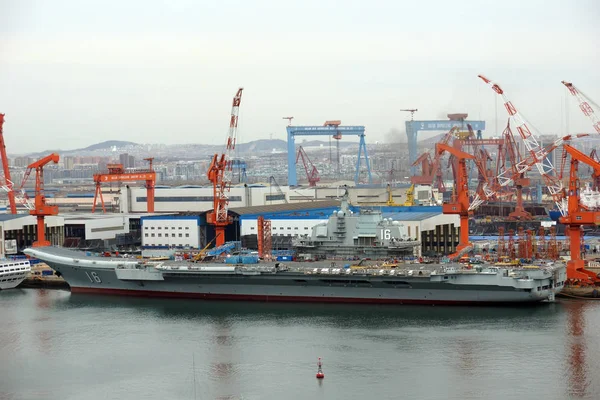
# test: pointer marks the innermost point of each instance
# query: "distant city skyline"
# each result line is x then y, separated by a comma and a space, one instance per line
77, 73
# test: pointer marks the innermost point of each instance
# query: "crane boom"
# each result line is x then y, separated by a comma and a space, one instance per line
220, 173
584, 104
41, 209
312, 174
526, 164
536, 154
9, 184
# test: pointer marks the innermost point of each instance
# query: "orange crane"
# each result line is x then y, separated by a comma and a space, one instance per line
116, 173
426, 177
460, 199
220, 173
264, 237
8, 182
41, 209
579, 215
312, 174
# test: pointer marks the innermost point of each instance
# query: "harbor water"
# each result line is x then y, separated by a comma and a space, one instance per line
55, 345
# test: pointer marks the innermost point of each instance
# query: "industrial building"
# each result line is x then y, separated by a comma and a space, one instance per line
200, 199
165, 234
18, 231
99, 231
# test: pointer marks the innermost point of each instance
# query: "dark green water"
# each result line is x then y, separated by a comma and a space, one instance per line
54, 345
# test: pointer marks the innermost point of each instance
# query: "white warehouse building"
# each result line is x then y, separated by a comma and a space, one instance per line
200, 199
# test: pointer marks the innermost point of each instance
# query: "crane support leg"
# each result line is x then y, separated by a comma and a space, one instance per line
220, 235
150, 195
41, 233
576, 266
98, 193
464, 233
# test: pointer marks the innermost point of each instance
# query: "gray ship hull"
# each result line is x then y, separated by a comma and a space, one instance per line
99, 275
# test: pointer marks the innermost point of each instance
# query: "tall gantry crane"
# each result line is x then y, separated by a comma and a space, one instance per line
585, 104
220, 173
312, 174
7, 185
117, 173
41, 209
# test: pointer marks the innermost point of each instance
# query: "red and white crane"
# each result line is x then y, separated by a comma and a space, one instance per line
536, 156
220, 173
585, 104
7, 184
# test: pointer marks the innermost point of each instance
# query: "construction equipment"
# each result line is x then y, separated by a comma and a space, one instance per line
41, 209
410, 196
460, 198
202, 253
514, 156
273, 183
312, 174
584, 104
220, 173
426, 177
578, 216
7, 185
117, 173
264, 238
412, 112
337, 136
289, 120
537, 155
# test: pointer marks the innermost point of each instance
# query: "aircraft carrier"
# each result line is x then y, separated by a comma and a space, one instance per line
304, 282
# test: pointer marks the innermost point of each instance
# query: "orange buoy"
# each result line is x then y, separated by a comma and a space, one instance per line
320, 374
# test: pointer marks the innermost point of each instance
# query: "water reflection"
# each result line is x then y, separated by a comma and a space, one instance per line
577, 348
333, 315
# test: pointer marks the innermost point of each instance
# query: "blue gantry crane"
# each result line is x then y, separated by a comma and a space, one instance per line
335, 130
454, 120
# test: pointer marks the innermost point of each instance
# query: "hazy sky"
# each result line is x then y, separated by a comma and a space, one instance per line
75, 72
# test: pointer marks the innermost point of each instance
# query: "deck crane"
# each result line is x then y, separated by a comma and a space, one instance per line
220, 173
460, 198
8, 184
579, 214
584, 104
41, 209
312, 174
537, 155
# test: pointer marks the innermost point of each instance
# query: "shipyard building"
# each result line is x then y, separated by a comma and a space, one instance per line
200, 199
434, 232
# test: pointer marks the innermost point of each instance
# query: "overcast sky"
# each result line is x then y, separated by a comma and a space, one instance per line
76, 72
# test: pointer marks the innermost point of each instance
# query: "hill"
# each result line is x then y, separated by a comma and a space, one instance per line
253, 147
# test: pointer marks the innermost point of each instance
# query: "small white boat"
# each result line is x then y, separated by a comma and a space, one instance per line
13, 272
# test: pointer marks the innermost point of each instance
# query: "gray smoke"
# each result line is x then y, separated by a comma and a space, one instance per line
395, 135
